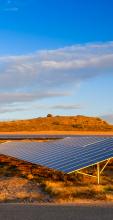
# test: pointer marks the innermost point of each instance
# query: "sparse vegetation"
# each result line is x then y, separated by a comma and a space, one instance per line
24, 182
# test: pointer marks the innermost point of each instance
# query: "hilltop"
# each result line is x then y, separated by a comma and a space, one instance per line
57, 123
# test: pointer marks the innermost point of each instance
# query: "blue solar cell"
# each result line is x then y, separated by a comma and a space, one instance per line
65, 155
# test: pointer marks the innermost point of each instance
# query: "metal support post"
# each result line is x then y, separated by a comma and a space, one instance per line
105, 166
98, 173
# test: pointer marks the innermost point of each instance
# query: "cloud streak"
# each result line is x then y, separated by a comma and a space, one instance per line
10, 108
66, 107
6, 98
48, 73
12, 9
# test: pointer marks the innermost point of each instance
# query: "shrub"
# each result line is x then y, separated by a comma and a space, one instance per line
49, 115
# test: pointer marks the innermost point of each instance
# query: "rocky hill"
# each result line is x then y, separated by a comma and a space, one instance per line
57, 123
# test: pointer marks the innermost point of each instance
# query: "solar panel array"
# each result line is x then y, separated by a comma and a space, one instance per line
36, 136
67, 155
29, 136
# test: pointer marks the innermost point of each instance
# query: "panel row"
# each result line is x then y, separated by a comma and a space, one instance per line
37, 136
65, 155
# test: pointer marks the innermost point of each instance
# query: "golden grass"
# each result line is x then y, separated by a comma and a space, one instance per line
25, 182
61, 192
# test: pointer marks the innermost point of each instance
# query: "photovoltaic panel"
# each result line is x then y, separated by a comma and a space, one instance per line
35, 136
65, 155
29, 136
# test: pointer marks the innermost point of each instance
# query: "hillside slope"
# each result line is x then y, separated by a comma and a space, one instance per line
57, 123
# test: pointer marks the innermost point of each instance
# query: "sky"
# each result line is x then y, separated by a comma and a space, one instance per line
56, 56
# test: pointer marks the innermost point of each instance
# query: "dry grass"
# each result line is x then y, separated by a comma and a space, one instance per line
61, 192
25, 182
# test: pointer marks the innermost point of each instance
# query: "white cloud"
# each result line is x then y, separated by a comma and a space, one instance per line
8, 107
66, 106
37, 75
6, 98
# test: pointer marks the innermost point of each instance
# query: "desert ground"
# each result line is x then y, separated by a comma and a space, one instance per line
21, 182
52, 132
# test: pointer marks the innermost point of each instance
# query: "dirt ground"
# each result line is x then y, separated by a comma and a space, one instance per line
28, 183
60, 133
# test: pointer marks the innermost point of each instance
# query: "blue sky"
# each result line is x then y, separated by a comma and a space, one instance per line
56, 56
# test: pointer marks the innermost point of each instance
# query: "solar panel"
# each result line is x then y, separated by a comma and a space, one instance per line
35, 136
65, 155
29, 136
